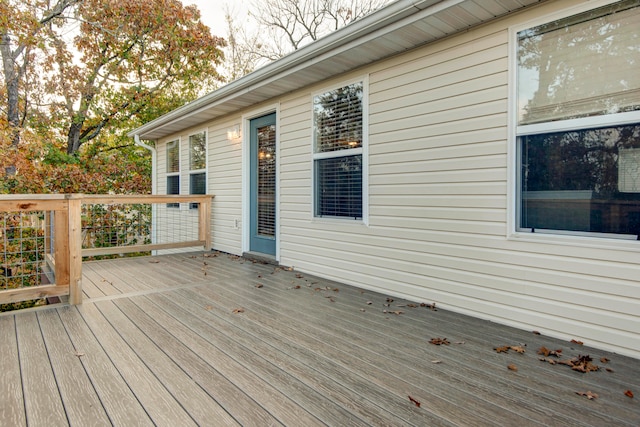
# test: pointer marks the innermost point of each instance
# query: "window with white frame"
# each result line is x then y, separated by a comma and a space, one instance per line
173, 169
339, 139
578, 124
197, 164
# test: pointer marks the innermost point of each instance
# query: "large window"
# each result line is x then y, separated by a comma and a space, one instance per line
339, 138
197, 165
578, 123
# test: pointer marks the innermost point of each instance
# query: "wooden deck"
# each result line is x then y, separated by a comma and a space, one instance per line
195, 340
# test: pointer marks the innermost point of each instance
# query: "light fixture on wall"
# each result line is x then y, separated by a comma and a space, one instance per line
233, 133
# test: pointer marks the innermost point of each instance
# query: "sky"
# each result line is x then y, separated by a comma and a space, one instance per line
213, 13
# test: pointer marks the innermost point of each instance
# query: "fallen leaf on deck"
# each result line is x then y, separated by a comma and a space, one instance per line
369, 302
386, 305
436, 361
550, 361
439, 341
299, 276
154, 262
535, 333
604, 360
512, 367
517, 349
581, 364
611, 371
629, 394
576, 342
79, 354
336, 290
259, 285
503, 349
397, 312
414, 401
296, 287
238, 310
208, 308
589, 395
389, 299
411, 305
546, 352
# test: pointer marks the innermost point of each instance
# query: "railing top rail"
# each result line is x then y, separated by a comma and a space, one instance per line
145, 198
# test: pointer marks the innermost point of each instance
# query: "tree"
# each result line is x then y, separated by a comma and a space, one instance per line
130, 52
21, 30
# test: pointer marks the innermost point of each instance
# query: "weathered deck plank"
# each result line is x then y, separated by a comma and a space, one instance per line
157, 401
43, 404
81, 403
119, 401
11, 404
158, 343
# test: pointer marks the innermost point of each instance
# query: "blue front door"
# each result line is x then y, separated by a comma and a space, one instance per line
263, 184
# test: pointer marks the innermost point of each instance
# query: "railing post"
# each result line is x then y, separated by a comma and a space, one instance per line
61, 245
75, 248
204, 222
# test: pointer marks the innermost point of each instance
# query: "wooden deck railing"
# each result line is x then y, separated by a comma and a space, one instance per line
63, 229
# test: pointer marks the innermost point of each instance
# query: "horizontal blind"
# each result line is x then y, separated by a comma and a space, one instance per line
173, 156
584, 65
266, 185
338, 119
197, 151
339, 187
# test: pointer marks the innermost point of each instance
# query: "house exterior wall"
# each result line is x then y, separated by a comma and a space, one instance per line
440, 180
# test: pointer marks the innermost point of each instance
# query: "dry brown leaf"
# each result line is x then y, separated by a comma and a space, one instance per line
259, 285
611, 371
576, 342
503, 349
535, 333
546, 352
336, 290
439, 341
414, 401
299, 276
369, 302
629, 394
517, 348
296, 287
411, 305
238, 310
208, 308
389, 299
604, 360
588, 394
512, 367
397, 312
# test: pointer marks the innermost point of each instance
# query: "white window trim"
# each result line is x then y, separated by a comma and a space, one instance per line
364, 151
556, 237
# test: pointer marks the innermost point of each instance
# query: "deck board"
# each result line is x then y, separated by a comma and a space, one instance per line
12, 402
157, 342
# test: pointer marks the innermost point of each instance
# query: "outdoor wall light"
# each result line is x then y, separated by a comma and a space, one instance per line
233, 133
